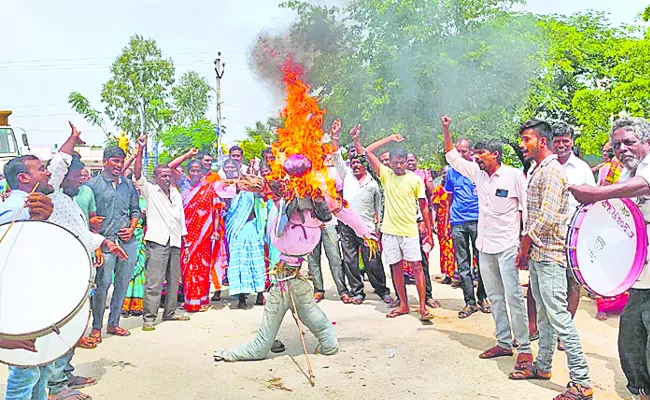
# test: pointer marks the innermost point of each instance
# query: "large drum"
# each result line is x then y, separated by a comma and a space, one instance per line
607, 245
45, 279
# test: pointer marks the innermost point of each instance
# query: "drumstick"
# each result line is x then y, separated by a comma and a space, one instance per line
20, 210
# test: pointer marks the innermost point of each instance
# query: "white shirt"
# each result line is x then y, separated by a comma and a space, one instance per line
363, 196
66, 212
500, 199
577, 172
643, 170
165, 215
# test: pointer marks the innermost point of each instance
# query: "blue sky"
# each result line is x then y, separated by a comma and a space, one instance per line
54, 47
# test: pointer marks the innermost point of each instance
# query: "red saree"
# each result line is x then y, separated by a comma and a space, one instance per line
203, 257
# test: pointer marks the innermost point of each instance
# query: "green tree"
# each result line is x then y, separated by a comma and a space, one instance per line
191, 98
646, 14
141, 81
178, 139
397, 66
81, 105
259, 137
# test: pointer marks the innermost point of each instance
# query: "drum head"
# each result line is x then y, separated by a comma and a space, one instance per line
608, 244
45, 274
52, 346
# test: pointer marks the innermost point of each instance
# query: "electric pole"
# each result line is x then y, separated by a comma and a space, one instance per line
219, 68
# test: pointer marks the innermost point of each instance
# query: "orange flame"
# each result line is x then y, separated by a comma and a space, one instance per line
301, 134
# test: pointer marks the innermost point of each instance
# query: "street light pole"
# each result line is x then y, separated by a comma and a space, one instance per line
219, 68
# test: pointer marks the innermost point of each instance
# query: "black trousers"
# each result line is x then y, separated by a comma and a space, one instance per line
634, 341
350, 245
464, 237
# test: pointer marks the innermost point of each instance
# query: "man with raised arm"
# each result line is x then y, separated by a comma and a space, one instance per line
404, 192
502, 199
165, 235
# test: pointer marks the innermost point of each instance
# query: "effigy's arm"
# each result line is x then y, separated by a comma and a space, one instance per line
349, 217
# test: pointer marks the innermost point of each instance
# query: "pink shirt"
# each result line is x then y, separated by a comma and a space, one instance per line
501, 198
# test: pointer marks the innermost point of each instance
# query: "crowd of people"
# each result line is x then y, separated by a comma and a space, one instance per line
166, 240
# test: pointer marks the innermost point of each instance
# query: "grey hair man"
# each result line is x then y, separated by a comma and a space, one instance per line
630, 138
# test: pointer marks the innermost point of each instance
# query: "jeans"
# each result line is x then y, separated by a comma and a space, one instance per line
501, 280
28, 383
462, 235
61, 373
350, 245
277, 304
634, 341
330, 241
123, 271
549, 286
163, 263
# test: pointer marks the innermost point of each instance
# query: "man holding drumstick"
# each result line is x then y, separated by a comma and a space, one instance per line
23, 174
630, 139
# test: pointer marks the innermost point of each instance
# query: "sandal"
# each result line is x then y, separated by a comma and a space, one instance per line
357, 300
87, 342
467, 311
532, 372
345, 298
485, 307
319, 296
575, 391
388, 299
70, 394
427, 316
397, 312
494, 352
431, 303
80, 382
118, 331
524, 360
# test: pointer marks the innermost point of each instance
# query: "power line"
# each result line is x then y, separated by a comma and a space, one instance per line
103, 58
100, 66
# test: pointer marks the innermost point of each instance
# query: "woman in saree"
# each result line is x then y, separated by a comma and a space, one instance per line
440, 202
204, 252
246, 261
133, 303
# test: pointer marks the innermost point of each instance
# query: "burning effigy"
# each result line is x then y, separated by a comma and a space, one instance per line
305, 198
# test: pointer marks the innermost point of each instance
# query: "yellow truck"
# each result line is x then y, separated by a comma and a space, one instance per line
9, 147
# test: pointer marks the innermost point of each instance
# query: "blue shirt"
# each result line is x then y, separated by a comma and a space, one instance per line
464, 205
116, 203
10, 206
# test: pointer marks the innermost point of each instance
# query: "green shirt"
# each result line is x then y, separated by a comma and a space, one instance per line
86, 201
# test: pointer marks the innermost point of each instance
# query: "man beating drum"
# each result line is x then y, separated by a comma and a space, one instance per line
61, 183
630, 138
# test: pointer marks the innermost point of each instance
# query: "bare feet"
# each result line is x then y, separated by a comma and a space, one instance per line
601, 316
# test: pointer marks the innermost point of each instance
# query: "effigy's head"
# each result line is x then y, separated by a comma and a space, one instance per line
297, 165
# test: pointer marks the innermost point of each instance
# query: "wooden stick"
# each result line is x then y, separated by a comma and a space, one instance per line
294, 312
20, 210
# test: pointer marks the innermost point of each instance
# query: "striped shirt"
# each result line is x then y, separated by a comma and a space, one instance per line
548, 211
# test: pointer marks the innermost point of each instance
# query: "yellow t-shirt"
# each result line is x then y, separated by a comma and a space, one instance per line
401, 194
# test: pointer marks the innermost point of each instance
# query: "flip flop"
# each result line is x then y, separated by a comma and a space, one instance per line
427, 316
485, 307
396, 313
118, 331
433, 303
80, 382
466, 312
